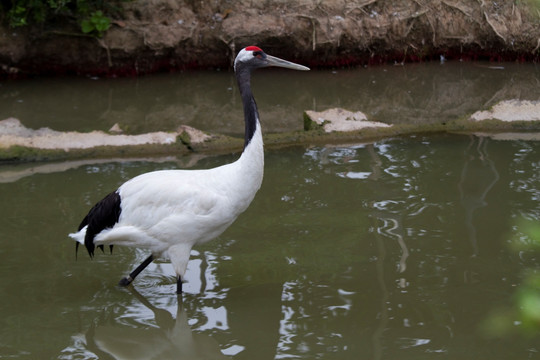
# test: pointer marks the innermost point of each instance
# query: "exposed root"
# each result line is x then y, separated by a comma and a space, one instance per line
537, 47
494, 27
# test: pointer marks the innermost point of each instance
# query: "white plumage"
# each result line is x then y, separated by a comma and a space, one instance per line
170, 211
173, 210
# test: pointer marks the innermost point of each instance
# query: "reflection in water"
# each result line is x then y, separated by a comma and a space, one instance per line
171, 339
205, 314
414, 93
12, 173
478, 177
383, 314
392, 221
153, 332
390, 225
18, 172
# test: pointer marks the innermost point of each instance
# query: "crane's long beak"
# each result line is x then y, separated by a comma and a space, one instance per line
274, 61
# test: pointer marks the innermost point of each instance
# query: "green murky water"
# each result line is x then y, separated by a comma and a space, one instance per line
418, 93
398, 249
401, 249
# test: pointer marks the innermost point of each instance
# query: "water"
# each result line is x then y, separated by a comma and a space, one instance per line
420, 93
397, 249
371, 251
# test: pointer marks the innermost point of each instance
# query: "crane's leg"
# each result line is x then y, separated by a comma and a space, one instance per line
128, 279
179, 285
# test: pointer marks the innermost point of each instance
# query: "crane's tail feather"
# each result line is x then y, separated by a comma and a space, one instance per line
79, 238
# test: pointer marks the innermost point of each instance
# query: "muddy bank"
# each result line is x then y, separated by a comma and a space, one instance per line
162, 35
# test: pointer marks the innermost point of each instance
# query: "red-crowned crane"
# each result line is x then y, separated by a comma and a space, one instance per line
170, 211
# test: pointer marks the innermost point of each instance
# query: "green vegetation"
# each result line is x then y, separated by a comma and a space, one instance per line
523, 314
91, 17
534, 8
98, 23
527, 297
535, 3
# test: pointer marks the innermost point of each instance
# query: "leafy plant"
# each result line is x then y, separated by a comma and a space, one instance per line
97, 24
17, 16
92, 17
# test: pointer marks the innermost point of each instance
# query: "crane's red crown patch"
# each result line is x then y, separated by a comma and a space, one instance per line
253, 48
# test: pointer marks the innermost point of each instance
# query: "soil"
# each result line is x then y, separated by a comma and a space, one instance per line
168, 35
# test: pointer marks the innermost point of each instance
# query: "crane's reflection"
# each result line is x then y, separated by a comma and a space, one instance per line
171, 339
209, 321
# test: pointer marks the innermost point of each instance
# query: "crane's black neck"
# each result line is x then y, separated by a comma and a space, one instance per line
251, 114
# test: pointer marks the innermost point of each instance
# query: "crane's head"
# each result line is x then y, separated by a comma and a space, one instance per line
253, 57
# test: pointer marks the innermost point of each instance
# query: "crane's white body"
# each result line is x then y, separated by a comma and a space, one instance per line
170, 211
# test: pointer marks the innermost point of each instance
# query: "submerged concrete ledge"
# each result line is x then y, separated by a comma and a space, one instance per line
511, 110
337, 119
19, 143
13, 133
506, 120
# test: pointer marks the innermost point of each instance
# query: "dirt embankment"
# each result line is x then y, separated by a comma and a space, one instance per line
161, 35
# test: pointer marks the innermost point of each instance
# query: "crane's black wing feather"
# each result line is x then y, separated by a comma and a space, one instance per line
101, 216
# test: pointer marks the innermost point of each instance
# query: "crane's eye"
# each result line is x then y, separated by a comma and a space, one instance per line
258, 54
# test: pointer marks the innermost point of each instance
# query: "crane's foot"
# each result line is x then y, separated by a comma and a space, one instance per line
125, 281
128, 279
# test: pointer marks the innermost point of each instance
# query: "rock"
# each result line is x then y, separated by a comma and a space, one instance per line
338, 120
189, 135
115, 129
511, 110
